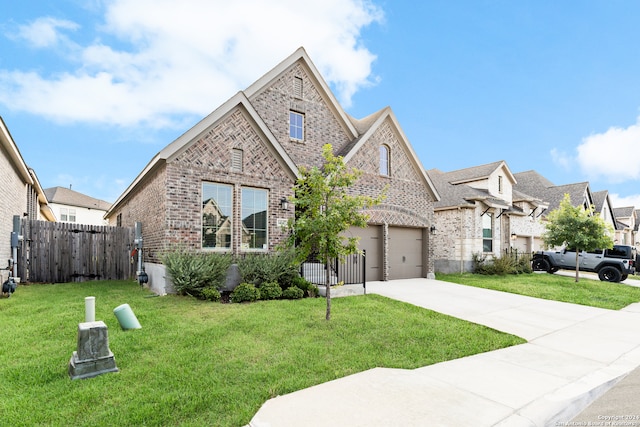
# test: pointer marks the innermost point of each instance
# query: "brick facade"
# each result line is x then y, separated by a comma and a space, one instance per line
13, 197
168, 197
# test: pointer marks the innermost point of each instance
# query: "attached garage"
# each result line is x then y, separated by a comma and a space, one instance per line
371, 242
405, 253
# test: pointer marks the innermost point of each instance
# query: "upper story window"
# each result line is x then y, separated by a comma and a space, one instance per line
67, 215
487, 232
217, 209
384, 160
500, 184
296, 125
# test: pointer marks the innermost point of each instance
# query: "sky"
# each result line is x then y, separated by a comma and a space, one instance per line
91, 90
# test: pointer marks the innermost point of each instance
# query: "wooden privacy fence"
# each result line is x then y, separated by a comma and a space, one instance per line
57, 252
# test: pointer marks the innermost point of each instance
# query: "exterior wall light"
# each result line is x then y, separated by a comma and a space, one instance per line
284, 204
433, 229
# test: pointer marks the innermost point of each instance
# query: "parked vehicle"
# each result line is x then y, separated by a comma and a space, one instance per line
612, 265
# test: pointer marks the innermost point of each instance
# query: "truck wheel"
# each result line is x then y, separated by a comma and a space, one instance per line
624, 277
540, 264
609, 274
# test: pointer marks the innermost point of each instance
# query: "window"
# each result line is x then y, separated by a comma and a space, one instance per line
236, 160
67, 215
500, 184
216, 215
487, 232
296, 125
297, 87
384, 160
254, 219
119, 220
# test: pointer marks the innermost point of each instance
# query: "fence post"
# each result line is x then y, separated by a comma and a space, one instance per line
364, 270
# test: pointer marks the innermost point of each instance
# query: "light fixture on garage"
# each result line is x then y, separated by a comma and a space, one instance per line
513, 236
284, 204
433, 229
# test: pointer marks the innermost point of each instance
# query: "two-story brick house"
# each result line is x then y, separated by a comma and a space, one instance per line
224, 184
479, 213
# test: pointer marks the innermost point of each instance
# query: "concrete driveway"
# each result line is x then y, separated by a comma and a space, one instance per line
574, 354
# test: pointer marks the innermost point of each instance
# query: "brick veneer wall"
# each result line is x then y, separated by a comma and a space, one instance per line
147, 204
13, 201
320, 127
209, 160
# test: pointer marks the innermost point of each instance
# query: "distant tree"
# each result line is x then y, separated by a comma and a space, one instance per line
573, 227
324, 211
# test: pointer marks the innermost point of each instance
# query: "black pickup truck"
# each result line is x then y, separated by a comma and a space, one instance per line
612, 265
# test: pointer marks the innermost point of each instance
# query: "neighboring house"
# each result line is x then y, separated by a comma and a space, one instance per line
626, 225
479, 213
20, 192
71, 206
604, 208
224, 184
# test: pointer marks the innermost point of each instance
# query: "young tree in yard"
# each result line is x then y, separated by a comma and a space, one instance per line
573, 227
324, 211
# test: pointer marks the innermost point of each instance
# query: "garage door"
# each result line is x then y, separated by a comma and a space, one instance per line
370, 241
405, 253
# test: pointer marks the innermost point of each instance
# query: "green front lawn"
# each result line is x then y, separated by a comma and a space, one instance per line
197, 363
589, 292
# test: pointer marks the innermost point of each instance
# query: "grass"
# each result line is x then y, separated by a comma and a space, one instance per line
593, 293
198, 363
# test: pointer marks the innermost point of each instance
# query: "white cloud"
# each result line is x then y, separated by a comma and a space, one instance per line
612, 154
560, 158
45, 31
188, 57
620, 202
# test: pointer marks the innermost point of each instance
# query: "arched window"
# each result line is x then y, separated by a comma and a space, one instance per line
384, 160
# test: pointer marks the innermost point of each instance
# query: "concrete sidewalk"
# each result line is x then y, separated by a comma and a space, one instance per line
573, 356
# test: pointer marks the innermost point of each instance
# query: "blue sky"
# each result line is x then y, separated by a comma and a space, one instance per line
92, 90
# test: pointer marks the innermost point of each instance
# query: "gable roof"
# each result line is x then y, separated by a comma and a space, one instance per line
369, 125
358, 131
534, 184
174, 149
624, 212
461, 195
476, 173
301, 56
66, 196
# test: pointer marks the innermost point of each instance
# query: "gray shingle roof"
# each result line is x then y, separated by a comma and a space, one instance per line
66, 196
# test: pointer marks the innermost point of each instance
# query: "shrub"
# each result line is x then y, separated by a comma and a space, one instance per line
245, 292
279, 267
308, 288
292, 292
191, 272
211, 294
270, 290
506, 264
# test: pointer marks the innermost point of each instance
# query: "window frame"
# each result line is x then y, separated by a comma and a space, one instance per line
384, 165
228, 242
487, 240
245, 208
296, 130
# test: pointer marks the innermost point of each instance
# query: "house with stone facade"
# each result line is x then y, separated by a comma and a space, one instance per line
626, 225
480, 212
224, 184
604, 208
21, 194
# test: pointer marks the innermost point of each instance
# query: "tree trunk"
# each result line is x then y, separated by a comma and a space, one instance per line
577, 265
327, 282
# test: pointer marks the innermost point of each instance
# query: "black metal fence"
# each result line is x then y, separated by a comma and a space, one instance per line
518, 255
348, 271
